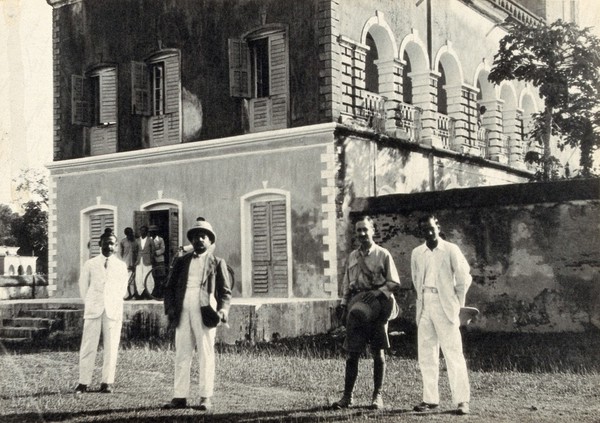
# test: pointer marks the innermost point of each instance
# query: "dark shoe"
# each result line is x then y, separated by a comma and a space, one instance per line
106, 388
377, 403
425, 406
463, 408
81, 389
345, 402
175, 403
205, 404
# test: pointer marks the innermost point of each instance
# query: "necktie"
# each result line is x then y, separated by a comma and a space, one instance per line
106, 263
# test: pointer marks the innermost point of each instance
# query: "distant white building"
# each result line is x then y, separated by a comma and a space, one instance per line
12, 264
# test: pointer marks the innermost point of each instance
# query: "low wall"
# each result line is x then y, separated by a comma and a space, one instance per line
534, 249
23, 287
249, 320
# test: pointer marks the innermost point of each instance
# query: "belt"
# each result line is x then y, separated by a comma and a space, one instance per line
430, 289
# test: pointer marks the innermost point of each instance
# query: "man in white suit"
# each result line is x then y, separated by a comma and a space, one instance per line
102, 284
440, 275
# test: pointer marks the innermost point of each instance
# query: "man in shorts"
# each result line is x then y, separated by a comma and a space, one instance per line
367, 305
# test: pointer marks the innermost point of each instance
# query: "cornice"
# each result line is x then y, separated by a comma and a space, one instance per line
56, 4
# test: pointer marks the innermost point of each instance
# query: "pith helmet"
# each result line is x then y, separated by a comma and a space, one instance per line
203, 226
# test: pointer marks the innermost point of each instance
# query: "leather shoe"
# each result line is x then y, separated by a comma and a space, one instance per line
81, 388
424, 406
463, 408
377, 403
175, 403
345, 402
205, 404
106, 388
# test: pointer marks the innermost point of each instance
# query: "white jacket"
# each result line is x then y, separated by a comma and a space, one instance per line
103, 289
453, 277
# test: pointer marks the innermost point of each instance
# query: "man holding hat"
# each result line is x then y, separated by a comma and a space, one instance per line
197, 296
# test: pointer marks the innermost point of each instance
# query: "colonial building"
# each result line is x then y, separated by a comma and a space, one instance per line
267, 117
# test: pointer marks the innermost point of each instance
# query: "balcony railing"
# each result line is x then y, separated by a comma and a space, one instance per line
408, 120
445, 130
518, 12
373, 111
483, 141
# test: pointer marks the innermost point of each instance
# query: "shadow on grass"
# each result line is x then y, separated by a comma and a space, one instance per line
157, 415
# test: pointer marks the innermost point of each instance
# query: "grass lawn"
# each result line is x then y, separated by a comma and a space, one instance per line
512, 380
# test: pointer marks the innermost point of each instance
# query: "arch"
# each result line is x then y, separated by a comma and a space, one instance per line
382, 35
84, 225
167, 204
527, 102
487, 89
29, 270
416, 50
266, 194
448, 59
20, 271
11, 270
508, 94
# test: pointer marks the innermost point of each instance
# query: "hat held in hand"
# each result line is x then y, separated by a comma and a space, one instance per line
467, 314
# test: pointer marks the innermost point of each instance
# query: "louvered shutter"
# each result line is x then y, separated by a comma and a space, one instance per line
279, 248
279, 80
140, 218
140, 89
108, 96
99, 222
239, 68
269, 249
173, 233
80, 105
261, 251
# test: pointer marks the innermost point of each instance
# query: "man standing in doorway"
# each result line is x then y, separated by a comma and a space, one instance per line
440, 275
197, 296
144, 265
102, 285
128, 252
159, 273
367, 305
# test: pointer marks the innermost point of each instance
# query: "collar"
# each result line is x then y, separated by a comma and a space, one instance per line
441, 246
195, 255
369, 251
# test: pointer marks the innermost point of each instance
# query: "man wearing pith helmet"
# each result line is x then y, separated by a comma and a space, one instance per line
197, 297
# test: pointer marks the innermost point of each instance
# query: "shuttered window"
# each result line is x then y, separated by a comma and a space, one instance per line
156, 93
258, 70
269, 249
98, 223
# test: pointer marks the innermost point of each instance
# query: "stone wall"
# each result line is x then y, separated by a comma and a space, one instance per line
534, 249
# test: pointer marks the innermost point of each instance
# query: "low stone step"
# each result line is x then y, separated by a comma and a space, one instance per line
14, 342
23, 332
71, 318
35, 322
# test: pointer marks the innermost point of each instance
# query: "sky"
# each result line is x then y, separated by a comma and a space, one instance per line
26, 86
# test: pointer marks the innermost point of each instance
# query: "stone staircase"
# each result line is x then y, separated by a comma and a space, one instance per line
40, 325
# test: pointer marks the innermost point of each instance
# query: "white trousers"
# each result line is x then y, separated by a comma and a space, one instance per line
435, 331
141, 271
192, 328
111, 336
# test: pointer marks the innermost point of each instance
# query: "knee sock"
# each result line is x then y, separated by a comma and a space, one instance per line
378, 371
351, 373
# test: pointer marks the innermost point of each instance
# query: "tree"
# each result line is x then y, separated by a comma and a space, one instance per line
31, 229
563, 62
7, 217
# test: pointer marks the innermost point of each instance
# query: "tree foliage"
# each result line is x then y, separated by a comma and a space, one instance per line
563, 62
28, 231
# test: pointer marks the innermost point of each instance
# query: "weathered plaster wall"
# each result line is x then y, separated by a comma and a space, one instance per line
534, 250
208, 182
121, 31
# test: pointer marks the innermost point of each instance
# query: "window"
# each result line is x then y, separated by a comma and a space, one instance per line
371, 71
156, 96
94, 106
94, 97
98, 223
258, 72
158, 88
260, 66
